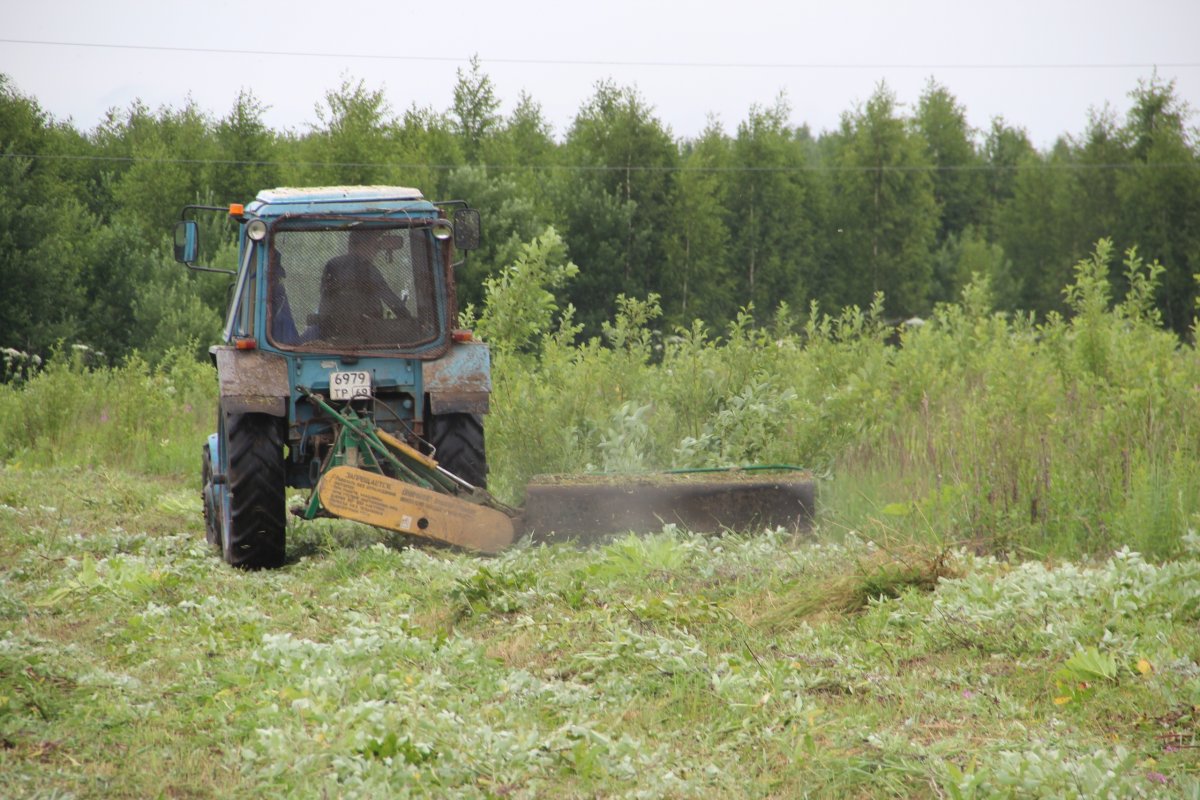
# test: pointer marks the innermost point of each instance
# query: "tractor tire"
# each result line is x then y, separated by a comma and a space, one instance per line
256, 474
212, 514
458, 446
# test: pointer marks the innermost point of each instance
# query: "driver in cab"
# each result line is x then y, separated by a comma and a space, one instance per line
353, 292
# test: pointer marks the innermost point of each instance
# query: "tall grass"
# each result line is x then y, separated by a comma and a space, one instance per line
145, 419
1070, 436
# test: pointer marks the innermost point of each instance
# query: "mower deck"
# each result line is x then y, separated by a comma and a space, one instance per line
590, 507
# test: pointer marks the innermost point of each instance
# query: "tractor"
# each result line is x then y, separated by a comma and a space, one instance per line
340, 352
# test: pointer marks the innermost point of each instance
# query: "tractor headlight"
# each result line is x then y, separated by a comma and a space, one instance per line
256, 229
442, 229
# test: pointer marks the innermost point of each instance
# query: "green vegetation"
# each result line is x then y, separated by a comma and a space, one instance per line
132, 417
1000, 598
901, 198
1074, 436
133, 664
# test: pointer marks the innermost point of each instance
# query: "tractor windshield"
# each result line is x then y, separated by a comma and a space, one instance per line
352, 289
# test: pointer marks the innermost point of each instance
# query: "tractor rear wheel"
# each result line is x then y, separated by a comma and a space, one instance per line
458, 446
257, 519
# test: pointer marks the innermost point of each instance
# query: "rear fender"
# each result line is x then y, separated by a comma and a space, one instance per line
252, 381
459, 382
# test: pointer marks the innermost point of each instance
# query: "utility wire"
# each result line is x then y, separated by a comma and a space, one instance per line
614, 63
604, 168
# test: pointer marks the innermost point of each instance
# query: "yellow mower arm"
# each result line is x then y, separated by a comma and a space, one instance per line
375, 478
384, 502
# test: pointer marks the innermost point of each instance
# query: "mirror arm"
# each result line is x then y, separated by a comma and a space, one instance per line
211, 269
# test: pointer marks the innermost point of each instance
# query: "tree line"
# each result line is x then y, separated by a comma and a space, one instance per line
910, 202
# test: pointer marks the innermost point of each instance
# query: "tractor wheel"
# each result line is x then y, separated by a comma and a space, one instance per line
458, 443
212, 513
257, 517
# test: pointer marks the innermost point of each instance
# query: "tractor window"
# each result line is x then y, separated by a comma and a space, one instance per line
357, 289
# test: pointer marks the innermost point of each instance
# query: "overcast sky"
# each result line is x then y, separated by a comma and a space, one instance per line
1040, 65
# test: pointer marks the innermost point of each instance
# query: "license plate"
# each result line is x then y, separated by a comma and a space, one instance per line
349, 385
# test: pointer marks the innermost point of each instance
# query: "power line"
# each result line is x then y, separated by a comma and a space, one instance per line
829, 168
617, 63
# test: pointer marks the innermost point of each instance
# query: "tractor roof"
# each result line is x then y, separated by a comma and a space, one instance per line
337, 199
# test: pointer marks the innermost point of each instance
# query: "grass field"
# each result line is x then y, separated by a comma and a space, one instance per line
1001, 597
134, 664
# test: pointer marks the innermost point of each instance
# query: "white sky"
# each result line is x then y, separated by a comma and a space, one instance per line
994, 56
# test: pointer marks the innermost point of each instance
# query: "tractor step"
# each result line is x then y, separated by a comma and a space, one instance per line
589, 507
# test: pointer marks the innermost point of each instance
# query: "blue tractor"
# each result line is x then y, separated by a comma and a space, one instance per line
341, 371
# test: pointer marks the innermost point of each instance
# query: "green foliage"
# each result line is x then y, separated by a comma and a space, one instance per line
885, 209
351, 138
174, 315
523, 143
474, 110
965, 256
1004, 149
520, 306
1079, 674
775, 206
492, 591
1159, 196
44, 297
155, 175
1053, 773
699, 254
646, 666
949, 142
901, 199
617, 204
513, 219
150, 419
1068, 437
246, 147
1031, 234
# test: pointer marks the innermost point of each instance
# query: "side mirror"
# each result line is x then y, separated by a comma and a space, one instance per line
466, 229
187, 241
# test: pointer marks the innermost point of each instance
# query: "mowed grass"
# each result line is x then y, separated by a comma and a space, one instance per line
133, 663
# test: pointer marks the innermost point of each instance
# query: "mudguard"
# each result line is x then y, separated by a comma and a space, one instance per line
459, 382
252, 381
